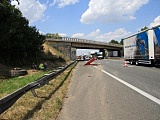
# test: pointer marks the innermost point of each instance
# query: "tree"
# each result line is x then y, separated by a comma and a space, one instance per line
121, 42
52, 35
144, 28
114, 42
18, 41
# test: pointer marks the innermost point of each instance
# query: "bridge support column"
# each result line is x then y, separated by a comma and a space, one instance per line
114, 53
73, 53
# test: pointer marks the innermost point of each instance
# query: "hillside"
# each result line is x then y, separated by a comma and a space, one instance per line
50, 56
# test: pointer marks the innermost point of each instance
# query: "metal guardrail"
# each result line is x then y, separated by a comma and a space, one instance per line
7, 101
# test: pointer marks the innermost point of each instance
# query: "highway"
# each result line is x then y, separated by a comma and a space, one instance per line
110, 91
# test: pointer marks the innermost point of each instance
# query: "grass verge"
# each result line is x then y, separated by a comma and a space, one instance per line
10, 85
44, 107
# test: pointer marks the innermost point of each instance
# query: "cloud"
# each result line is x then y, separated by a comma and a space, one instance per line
111, 10
62, 3
62, 34
14, 3
116, 35
78, 35
106, 37
94, 33
155, 22
33, 10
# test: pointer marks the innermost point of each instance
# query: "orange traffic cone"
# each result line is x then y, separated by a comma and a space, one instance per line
125, 64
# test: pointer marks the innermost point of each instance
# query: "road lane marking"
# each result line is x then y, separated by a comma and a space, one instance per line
154, 99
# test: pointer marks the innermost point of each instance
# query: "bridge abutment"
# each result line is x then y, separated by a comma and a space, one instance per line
65, 48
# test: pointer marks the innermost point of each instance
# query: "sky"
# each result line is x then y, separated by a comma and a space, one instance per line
100, 20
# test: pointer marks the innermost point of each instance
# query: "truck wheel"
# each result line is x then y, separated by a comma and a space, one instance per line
137, 63
131, 62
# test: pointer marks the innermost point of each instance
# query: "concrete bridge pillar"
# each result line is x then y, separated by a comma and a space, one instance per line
114, 53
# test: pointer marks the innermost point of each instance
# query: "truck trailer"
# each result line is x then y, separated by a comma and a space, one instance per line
143, 47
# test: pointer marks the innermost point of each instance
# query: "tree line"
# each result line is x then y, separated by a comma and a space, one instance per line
20, 43
52, 35
116, 42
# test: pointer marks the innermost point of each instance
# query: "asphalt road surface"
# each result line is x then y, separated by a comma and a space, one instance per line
110, 91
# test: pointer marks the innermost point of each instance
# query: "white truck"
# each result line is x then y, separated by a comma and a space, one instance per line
100, 55
143, 47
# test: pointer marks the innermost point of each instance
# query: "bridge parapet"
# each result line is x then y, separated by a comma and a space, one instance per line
76, 40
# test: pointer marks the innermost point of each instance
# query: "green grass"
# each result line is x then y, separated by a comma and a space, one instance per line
10, 85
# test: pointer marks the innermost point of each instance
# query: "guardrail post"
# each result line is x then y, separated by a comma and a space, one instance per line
34, 93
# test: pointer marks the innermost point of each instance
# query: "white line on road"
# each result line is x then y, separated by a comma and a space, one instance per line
154, 99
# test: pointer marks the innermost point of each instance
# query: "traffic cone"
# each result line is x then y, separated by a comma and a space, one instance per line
125, 64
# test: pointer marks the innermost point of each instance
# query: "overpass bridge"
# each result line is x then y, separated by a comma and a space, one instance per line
69, 45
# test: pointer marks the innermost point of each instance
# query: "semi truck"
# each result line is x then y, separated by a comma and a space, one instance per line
143, 47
